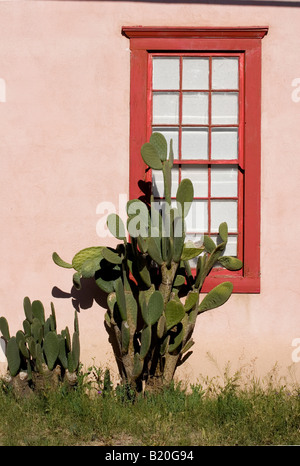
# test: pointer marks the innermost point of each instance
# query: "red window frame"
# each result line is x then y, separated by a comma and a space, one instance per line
246, 43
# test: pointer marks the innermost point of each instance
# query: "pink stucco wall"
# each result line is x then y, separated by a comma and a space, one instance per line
64, 142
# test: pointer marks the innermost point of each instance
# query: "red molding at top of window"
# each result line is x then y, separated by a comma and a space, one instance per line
143, 32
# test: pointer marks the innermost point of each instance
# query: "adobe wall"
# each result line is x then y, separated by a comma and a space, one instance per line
64, 123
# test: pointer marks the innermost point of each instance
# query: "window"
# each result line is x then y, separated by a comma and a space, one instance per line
201, 88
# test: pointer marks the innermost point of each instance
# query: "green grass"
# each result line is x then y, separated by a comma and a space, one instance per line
215, 415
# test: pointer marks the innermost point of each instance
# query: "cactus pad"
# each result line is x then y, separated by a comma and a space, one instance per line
160, 144
51, 349
4, 328
216, 297
174, 313
13, 356
152, 311
151, 157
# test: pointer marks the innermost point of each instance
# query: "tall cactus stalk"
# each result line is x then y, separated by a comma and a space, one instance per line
153, 298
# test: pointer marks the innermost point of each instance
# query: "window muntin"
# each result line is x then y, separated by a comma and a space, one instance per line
197, 101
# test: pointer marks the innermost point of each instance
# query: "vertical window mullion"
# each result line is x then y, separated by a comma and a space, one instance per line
209, 144
180, 119
240, 243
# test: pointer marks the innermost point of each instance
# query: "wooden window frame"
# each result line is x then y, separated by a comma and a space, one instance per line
247, 42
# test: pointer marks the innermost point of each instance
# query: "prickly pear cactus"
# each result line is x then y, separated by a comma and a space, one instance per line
38, 353
153, 298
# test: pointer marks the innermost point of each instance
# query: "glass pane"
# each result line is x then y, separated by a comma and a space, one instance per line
194, 143
158, 182
225, 73
195, 73
198, 176
231, 247
224, 181
195, 108
197, 218
224, 108
165, 108
224, 143
224, 211
169, 133
165, 73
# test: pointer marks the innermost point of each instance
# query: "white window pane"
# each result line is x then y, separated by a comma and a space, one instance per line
195, 73
224, 108
199, 178
197, 218
165, 73
224, 211
194, 144
225, 73
195, 108
224, 143
169, 133
231, 246
158, 182
224, 181
165, 108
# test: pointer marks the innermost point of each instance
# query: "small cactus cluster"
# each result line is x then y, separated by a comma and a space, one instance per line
38, 348
153, 297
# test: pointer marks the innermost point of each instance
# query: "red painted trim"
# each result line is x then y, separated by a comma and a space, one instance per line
241, 157
138, 121
194, 32
244, 41
182, 44
252, 148
241, 284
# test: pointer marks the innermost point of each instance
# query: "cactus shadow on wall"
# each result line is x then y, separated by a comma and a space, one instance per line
146, 190
83, 299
